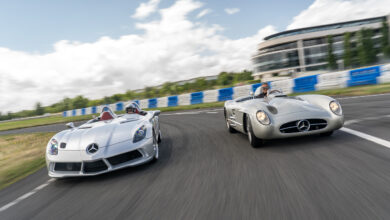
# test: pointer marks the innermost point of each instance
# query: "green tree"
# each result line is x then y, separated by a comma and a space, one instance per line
151, 92
385, 45
107, 100
200, 84
117, 97
66, 104
347, 56
80, 102
366, 50
332, 64
224, 79
167, 88
39, 109
130, 95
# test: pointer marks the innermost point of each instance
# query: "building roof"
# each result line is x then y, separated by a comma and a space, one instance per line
325, 27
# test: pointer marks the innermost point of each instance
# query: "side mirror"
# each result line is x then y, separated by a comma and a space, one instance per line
70, 125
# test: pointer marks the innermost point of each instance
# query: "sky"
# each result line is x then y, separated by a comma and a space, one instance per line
55, 49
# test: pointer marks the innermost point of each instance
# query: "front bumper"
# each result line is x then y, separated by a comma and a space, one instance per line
118, 156
272, 131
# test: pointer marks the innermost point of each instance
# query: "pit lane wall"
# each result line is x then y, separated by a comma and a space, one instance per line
334, 80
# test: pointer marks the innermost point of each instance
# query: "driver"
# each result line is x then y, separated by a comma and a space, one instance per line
133, 108
264, 90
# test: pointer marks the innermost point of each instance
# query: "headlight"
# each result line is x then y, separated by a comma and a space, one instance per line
53, 147
263, 118
139, 134
335, 107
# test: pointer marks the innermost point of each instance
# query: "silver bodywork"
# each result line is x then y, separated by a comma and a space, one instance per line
286, 115
113, 140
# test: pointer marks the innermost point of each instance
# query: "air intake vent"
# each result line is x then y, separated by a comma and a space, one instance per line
122, 158
67, 167
96, 166
308, 125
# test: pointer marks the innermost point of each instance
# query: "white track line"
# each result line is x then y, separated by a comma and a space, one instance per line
25, 196
367, 137
364, 96
349, 122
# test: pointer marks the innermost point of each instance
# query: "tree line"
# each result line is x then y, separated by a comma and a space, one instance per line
224, 79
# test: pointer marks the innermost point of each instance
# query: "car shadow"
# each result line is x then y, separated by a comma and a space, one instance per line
295, 143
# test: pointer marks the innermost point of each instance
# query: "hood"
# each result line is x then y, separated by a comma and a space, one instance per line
286, 105
102, 133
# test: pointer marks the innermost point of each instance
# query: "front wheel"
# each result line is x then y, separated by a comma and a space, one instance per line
253, 140
156, 148
229, 127
159, 137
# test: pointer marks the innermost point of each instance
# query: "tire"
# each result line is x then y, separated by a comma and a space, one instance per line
156, 147
229, 128
159, 137
253, 140
327, 134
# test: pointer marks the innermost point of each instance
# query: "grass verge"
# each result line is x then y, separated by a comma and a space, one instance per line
21, 155
350, 91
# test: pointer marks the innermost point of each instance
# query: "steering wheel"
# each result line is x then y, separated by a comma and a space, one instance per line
270, 92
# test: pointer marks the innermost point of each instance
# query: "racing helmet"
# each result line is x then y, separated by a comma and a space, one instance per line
132, 108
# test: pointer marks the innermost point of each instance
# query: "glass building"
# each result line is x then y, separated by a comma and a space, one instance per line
303, 51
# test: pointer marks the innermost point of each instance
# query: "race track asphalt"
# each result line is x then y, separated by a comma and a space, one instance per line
204, 172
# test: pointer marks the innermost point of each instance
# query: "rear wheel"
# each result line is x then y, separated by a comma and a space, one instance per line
253, 140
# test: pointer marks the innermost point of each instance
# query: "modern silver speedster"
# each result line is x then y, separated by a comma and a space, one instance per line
105, 143
280, 116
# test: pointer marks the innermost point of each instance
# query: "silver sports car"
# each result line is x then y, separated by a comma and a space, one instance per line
105, 143
280, 116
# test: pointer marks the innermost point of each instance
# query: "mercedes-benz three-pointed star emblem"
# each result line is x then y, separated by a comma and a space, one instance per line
303, 125
92, 148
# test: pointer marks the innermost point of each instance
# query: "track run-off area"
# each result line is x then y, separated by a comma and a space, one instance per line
204, 172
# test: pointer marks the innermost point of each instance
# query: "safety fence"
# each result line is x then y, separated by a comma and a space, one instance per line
333, 80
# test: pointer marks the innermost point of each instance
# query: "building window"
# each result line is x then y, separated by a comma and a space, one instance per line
316, 68
281, 60
286, 46
313, 42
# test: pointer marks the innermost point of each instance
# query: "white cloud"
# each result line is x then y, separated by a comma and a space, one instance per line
146, 9
231, 11
171, 48
203, 13
331, 11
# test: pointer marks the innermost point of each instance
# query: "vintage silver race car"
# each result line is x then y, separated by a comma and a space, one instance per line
280, 116
106, 143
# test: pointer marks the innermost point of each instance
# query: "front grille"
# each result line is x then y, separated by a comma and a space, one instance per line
96, 166
291, 127
122, 158
76, 167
